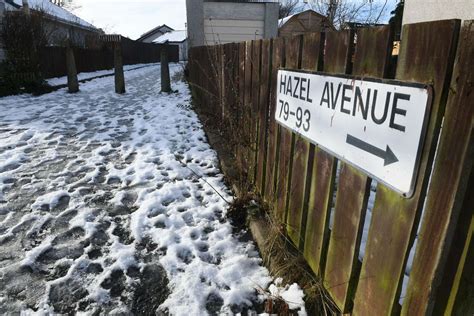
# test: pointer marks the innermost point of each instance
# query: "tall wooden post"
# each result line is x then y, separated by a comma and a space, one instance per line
72, 82
118, 61
165, 70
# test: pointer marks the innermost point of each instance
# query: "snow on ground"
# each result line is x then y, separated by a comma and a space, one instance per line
101, 210
87, 75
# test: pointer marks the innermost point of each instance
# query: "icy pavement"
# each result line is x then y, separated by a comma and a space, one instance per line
106, 206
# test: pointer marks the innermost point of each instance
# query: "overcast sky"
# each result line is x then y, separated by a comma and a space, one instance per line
133, 18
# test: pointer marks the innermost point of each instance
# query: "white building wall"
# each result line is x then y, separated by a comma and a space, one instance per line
226, 22
431, 10
211, 23
152, 37
220, 31
183, 51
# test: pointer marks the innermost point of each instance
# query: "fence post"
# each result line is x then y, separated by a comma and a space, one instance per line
165, 70
72, 83
119, 76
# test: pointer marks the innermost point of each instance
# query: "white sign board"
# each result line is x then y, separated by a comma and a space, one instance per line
377, 126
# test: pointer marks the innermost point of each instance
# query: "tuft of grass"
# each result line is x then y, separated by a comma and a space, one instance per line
179, 76
284, 260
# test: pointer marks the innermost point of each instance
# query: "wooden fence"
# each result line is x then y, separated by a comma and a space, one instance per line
53, 59
235, 83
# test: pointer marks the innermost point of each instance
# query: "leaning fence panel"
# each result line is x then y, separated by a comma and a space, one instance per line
371, 58
394, 218
236, 83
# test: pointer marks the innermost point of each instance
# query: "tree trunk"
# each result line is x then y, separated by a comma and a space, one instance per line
165, 70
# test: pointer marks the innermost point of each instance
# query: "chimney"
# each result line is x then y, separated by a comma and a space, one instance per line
26, 7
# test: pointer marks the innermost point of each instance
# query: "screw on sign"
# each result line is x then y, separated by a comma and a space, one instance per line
376, 125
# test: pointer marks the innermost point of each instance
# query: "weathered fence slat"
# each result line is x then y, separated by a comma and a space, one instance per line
292, 52
460, 293
235, 85
449, 185
262, 126
302, 165
427, 55
371, 58
214, 72
278, 51
255, 62
247, 127
223, 84
235, 109
241, 166
336, 60
227, 87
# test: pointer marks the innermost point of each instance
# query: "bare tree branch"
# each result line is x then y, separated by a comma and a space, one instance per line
342, 12
287, 8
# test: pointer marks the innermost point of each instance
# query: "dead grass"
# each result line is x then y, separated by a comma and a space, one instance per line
179, 75
282, 258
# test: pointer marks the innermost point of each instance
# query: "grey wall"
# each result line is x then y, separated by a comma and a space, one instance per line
234, 11
195, 26
430, 10
198, 11
183, 51
271, 20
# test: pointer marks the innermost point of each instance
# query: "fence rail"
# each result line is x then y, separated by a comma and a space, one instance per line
308, 188
53, 59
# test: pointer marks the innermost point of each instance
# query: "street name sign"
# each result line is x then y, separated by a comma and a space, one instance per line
376, 125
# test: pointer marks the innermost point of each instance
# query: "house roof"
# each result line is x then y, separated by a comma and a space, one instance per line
52, 10
154, 30
283, 21
177, 36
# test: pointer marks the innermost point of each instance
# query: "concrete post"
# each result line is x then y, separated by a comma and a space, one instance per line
26, 7
165, 70
271, 20
195, 22
118, 63
72, 82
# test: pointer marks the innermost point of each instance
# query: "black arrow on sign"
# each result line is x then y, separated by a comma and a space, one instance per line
387, 155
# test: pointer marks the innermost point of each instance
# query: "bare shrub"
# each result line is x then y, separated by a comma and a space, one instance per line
22, 35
